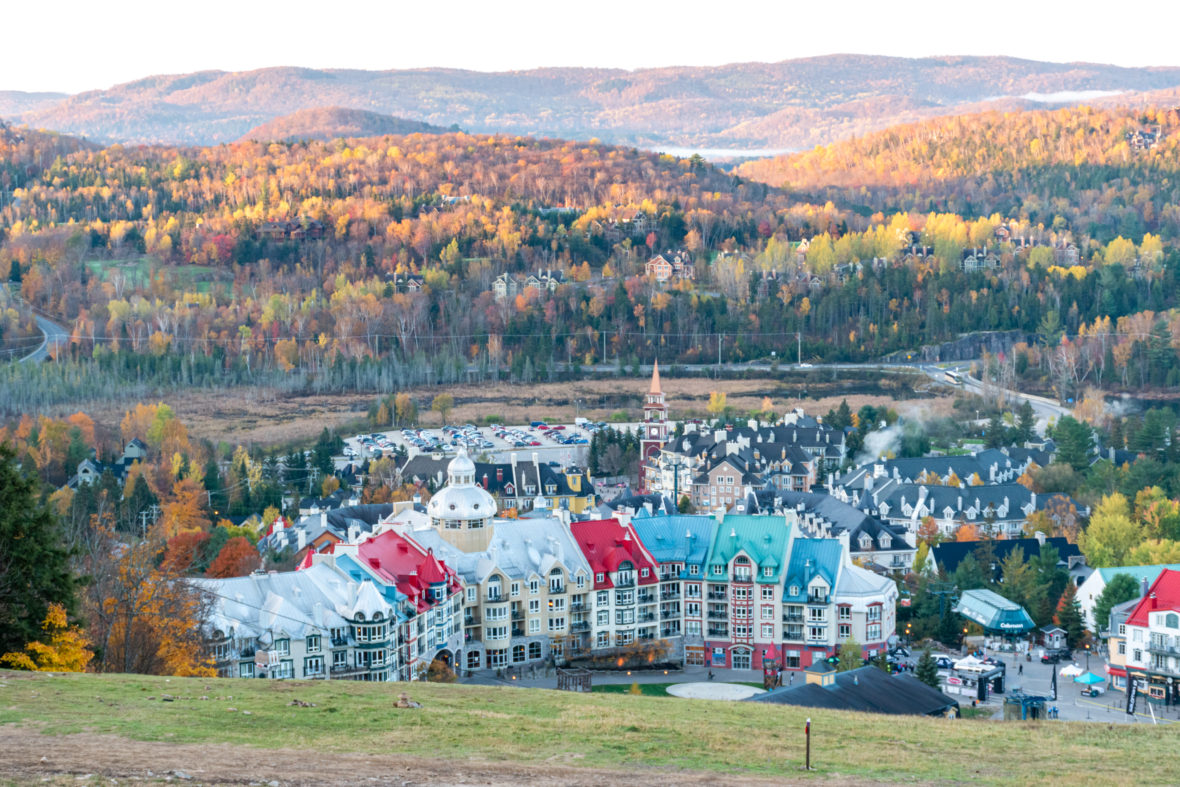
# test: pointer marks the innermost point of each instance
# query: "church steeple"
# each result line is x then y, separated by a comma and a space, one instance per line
655, 426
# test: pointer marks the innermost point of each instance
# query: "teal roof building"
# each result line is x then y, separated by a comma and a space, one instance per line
764, 539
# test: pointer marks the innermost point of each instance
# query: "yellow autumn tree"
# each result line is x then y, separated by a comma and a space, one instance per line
65, 649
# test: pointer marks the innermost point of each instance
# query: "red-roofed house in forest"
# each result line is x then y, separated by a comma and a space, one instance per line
626, 582
1152, 638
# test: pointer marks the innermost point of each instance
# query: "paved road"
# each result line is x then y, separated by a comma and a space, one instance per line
55, 337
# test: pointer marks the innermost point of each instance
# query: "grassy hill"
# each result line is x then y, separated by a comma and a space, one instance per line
463, 727
790, 104
334, 123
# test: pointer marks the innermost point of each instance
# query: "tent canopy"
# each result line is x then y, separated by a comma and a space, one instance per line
1089, 678
994, 612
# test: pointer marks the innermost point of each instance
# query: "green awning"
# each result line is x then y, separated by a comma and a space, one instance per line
995, 613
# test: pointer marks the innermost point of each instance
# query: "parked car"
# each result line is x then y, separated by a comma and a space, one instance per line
1054, 655
901, 652
942, 662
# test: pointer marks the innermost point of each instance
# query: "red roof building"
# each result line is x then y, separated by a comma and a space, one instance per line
1151, 637
416, 572
610, 546
626, 582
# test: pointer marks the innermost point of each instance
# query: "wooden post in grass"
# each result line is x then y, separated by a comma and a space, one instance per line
807, 737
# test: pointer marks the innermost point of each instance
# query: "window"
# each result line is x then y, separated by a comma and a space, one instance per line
845, 613
581, 581
767, 612
767, 593
471, 591
556, 624
473, 660
603, 639
1172, 621
534, 586
603, 599
284, 670
1137, 655
598, 577
741, 630
767, 571
515, 588
313, 665
741, 594
792, 660
497, 658
556, 581
497, 613
339, 659
534, 650
767, 631
604, 617
694, 570
845, 631
557, 605
816, 632
534, 625
817, 613
741, 612
1122, 648
246, 670
693, 609
693, 628
624, 597
873, 632
718, 570
874, 613
494, 589
534, 606
313, 643
1122, 629
624, 617
645, 573
518, 654
794, 590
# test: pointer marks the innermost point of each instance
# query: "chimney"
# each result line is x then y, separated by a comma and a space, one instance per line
1153, 600
1040, 537
499, 474
1143, 587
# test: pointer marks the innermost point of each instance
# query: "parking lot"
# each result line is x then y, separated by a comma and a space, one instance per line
563, 443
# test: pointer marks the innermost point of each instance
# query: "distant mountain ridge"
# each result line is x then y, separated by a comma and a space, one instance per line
334, 122
791, 104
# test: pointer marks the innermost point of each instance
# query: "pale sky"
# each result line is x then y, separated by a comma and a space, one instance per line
73, 46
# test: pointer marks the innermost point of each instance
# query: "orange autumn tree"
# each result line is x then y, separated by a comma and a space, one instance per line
65, 649
184, 511
143, 616
967, 532
236, 559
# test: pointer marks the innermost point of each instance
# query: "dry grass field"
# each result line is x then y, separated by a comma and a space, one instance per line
263, 417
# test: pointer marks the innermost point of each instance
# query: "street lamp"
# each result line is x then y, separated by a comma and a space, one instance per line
1087, 657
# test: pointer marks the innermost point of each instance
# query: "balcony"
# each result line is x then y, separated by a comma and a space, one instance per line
339, 642
580, 626
792, 617
645, 597
669, 612
471, 619
518, 614
518, 632
625, 582
555, 589
347, 670
646, 617
793, 634
718, 632
665, 596
1163, 647
578, 606
717, 596
717, 614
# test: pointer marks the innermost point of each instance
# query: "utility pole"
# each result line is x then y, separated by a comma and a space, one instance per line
799, 341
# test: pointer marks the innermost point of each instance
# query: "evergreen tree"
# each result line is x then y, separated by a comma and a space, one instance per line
1075, 442
948, 629
926, 670
14, 275
1120, 588
997, 433
34, 566
1026, 422
1069, 616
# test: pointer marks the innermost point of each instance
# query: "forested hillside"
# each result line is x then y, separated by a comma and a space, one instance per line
371, 264
335, 122
790, 104
1101, 172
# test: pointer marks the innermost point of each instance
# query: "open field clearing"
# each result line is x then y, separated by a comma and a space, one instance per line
252, 730
263, 417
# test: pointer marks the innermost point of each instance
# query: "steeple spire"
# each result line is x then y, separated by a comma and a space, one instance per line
655, 378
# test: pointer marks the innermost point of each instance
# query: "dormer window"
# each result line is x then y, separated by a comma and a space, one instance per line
794, 590
885, 540
767, 571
